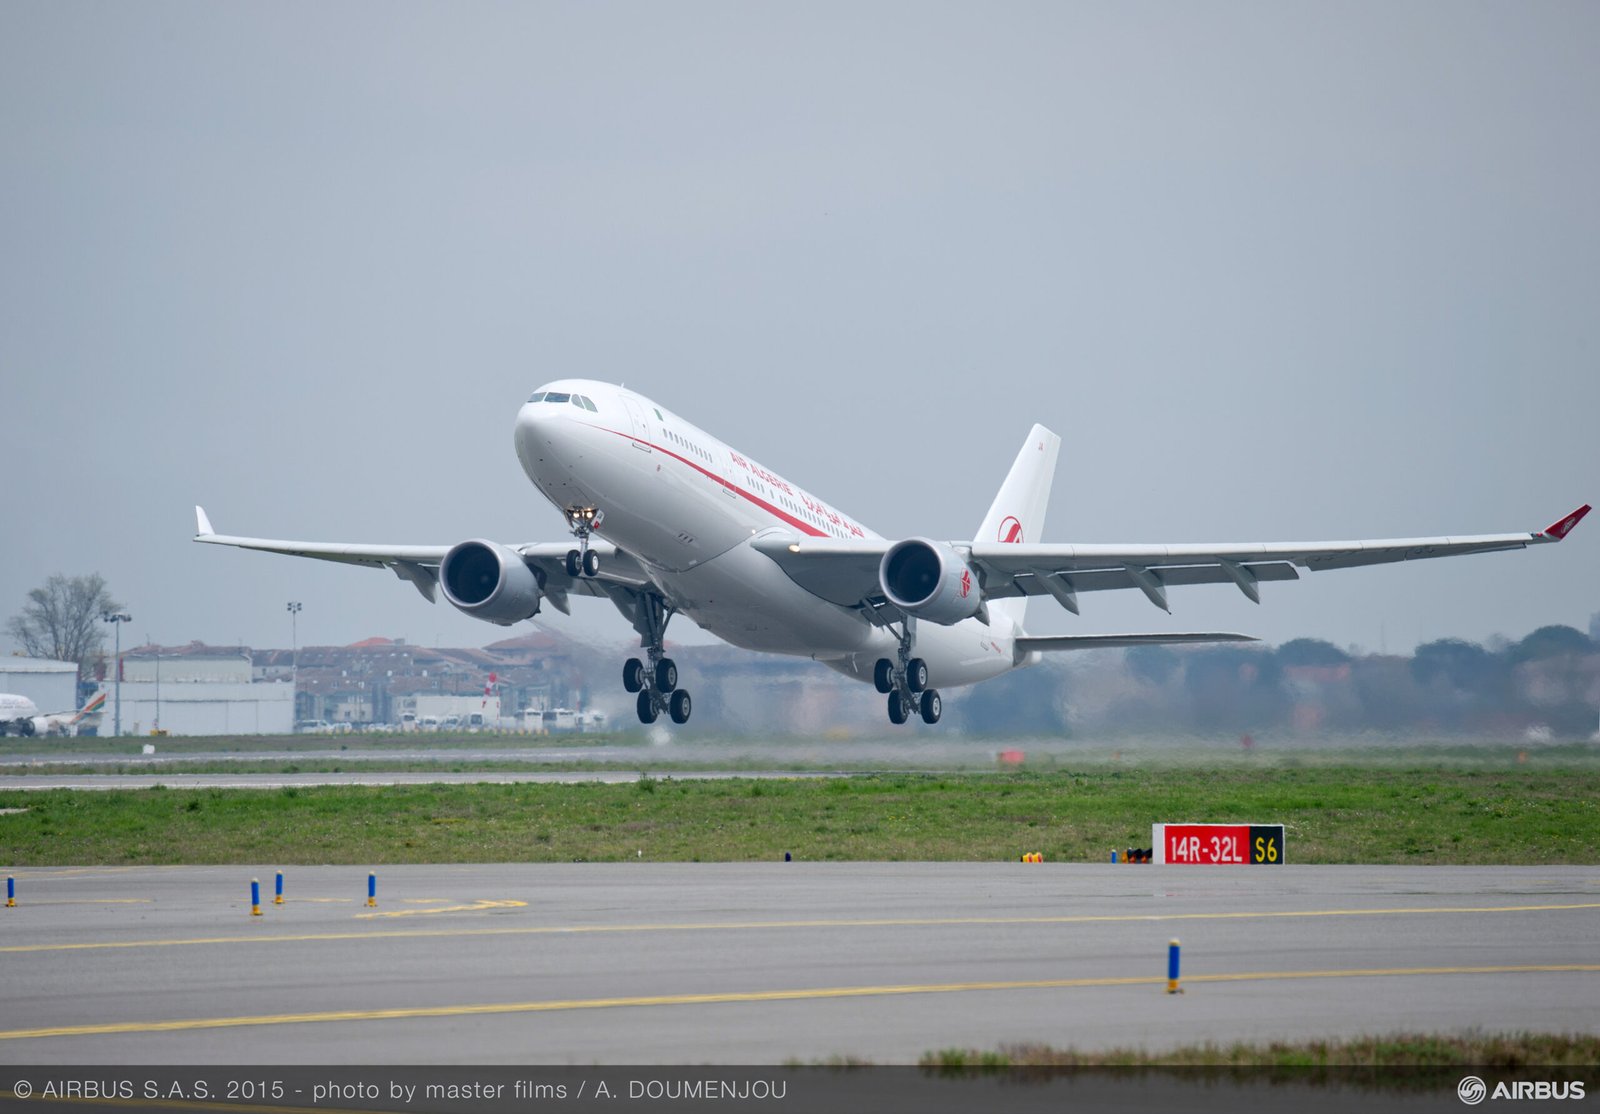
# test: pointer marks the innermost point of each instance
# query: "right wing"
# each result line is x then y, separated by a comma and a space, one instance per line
1063, 571
419, 564
845, 572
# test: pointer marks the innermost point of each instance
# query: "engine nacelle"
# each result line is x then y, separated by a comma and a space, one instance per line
489, 582
930, 580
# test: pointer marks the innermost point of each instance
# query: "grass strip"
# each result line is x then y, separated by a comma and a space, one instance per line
1495, 1051
1333, 815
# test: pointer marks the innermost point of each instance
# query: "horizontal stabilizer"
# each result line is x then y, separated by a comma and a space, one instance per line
1028, 643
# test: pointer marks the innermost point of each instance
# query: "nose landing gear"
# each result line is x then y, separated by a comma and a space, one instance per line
583, 521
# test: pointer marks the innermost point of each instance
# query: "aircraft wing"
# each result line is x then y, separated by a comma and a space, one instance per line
846, 572
419, 564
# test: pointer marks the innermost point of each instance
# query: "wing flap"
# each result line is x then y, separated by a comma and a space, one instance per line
1028, 643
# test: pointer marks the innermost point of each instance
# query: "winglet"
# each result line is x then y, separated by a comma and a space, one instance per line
202, 524
1564, 527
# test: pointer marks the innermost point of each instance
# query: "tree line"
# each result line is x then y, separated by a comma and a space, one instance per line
1548, 680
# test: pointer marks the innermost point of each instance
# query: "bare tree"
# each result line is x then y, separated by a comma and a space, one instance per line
62, 620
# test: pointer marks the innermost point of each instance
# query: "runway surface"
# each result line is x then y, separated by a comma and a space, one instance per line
376, 777
765, 963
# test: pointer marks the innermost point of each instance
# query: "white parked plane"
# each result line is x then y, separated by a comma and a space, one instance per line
21, 715
670, 519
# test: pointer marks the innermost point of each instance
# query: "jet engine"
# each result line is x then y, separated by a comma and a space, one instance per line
930, 580
489, 581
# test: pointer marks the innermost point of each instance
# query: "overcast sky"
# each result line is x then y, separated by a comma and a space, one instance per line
1274, 271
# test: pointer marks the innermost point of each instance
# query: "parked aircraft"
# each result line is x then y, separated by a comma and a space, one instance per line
20, 715
668, 519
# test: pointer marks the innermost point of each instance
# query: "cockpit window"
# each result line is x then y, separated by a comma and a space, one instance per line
556, 396
538, 396
589, 405
577, 400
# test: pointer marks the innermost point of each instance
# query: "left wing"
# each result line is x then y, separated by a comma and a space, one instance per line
846, 572
419, 564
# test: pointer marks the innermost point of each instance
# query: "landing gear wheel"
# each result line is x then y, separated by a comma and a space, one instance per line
647, 708
574, 563
633, 675
680, 707
666, 675
591, 563
916, 674
883, 676
932, 706
897, 708
25, 728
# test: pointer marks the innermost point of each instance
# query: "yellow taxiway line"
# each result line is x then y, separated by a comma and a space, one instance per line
804, 995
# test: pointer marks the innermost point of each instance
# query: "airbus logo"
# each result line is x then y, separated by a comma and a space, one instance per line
1473, 1091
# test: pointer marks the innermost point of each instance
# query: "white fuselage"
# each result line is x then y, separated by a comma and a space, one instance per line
13, 707
686, 505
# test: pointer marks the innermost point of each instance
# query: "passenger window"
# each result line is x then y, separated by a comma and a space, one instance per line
538, 396
554, 396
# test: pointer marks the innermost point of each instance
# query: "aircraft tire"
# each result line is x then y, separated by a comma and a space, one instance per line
916, 674
647, 708
633, 675
574, 563
591, 563
681, 706
883, 676
666, 675
897, 708
932, 706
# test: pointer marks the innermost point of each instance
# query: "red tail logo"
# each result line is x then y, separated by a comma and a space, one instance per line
1011, 531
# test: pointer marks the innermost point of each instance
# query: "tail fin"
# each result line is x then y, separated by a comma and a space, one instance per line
1017, 514
92, 707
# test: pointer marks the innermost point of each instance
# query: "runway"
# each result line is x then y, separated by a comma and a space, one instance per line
379, 777
772, 962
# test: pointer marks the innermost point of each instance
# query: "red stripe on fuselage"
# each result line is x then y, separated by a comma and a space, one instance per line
777, 512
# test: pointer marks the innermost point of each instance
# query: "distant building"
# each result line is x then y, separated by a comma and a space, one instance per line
51, 685
203, 708
195, 662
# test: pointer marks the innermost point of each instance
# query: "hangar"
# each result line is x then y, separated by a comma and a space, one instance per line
51, 685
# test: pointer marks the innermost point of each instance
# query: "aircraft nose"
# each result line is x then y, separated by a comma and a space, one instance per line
547, 431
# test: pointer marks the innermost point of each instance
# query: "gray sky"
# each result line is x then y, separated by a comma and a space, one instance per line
1273, 271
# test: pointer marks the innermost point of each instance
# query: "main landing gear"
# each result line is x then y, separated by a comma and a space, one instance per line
583, 521
657, 683
907, 686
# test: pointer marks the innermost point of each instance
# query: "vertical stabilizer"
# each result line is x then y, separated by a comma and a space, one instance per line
1017, 514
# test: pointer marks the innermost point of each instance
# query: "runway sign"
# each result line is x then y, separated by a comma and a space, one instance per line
1217, 844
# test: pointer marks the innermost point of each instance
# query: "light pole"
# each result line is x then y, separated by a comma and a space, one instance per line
294, 656
116, 619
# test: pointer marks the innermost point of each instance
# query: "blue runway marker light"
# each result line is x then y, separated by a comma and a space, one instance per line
255, 897
11, 892
278, 900
1172, 968
372, 890
1113, 856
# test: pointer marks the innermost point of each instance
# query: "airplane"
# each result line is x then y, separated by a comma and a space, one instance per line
668, 519
19, 714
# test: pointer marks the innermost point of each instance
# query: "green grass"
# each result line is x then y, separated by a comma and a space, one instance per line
1334, 814
1501, 1051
